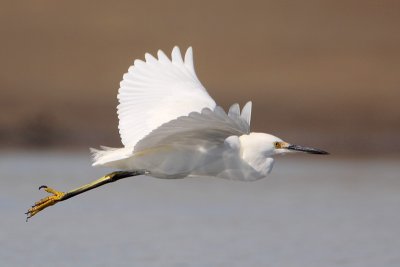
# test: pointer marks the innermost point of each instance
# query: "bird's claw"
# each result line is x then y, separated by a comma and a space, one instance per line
45, 202
42, 186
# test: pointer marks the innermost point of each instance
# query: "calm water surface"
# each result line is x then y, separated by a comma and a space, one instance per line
311, 211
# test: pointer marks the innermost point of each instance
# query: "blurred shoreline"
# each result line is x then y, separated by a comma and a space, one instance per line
41, 133
319, 73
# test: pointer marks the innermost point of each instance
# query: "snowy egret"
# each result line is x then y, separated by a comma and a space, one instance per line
171, 128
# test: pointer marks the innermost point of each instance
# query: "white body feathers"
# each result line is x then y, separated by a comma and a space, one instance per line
171, 127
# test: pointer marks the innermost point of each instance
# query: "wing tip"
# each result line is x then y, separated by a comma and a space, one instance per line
149, 58
189, 63
246, 112
189, 50
162, 57
176, 55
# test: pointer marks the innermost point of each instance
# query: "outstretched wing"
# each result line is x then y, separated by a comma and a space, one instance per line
158, 91
205, 129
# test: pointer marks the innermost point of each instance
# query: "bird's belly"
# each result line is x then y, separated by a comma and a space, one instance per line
167, 162
173, 163
230, 167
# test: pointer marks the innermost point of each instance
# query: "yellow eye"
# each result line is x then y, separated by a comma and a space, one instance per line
277, 144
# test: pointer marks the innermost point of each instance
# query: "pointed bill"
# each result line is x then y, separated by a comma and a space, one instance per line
309, 150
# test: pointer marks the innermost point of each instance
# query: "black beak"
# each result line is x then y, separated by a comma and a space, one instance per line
307, 149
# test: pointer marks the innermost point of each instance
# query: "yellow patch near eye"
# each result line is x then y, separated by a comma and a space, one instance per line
278, 144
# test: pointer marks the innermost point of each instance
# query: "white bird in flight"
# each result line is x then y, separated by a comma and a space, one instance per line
171, 128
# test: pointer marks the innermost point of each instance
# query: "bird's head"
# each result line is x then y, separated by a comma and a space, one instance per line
269, 145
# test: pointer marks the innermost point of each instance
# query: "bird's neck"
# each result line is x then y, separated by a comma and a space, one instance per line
262, 165
252, 155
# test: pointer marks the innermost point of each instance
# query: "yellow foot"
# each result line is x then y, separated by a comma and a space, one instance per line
45, 202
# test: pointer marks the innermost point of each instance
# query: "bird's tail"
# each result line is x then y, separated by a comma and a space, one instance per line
109, 156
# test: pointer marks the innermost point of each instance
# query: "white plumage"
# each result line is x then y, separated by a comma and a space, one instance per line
172, 128
157, 91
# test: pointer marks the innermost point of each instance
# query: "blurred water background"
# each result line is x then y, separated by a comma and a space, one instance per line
320, 73
309, 212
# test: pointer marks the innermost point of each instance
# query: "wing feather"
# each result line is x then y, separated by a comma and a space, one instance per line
234, 110
162, 102
209, 126
189, 61
246, 112
156, 91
